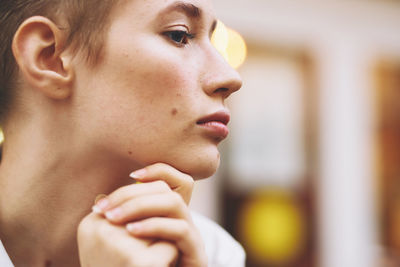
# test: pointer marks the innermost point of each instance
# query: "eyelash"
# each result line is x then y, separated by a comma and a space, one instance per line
183, 37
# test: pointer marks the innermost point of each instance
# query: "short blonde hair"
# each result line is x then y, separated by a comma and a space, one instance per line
87, 21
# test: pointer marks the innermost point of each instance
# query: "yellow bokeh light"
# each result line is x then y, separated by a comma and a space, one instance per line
272, 227
230, 44
1, 136
236, 49
220, 39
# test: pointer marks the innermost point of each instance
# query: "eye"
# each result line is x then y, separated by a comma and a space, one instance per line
179, 37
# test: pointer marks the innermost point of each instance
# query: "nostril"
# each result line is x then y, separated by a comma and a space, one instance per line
221, 90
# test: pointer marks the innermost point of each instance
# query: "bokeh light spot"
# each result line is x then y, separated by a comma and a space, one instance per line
230, 44
272, 227
1, 136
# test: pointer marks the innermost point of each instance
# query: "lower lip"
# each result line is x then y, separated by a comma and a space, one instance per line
217, 129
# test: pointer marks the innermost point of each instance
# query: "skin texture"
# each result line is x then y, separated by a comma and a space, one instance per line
159, 89
76, 131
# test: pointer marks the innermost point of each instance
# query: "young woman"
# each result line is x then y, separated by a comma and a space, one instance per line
93, 94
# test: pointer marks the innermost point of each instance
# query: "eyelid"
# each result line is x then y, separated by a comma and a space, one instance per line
179, 28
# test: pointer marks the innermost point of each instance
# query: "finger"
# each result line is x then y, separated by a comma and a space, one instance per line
155, 205
180, 182
177, 231
128, 192
99, 230
131, 251
167, 250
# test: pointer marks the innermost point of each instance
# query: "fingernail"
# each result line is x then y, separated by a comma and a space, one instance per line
98, 197
114, 214
138, 174
97, 210
102, 204
133, 227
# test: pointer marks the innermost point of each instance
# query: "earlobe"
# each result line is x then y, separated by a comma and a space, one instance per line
38, 47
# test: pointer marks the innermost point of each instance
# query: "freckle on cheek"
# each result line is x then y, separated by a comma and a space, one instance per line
130, 152
174, 111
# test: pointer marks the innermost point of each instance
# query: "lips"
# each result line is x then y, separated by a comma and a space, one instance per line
216, 124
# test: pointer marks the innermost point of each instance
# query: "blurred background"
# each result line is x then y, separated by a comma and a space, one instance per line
310, 174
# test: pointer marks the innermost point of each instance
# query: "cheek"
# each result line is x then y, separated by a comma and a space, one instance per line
148, 94
161, 84
146, 91
165, 77
152, 73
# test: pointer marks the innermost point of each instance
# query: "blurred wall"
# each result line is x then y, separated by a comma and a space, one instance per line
306, 118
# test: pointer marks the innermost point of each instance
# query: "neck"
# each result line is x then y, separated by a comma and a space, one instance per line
46, 188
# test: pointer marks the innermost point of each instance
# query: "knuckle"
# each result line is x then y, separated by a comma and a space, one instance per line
160, 165
162, 186
157, 166
184, 230
163, 168
189, 181
121, 192
116, 193
136, 208
93, 229
177, 198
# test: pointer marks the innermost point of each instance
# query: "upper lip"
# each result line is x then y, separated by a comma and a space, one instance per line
222, 116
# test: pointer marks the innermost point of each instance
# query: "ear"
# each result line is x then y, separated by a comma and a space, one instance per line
38, 47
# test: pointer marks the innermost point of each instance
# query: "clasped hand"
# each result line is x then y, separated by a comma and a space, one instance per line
143, 224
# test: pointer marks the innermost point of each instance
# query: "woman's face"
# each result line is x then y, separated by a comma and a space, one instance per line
158, 94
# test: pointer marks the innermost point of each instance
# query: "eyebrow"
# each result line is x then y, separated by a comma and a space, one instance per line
188, 9
213, 27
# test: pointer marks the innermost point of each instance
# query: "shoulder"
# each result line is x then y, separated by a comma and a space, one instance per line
221, 248
4, 259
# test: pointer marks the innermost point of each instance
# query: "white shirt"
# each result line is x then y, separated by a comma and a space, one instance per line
222, 250
4, 259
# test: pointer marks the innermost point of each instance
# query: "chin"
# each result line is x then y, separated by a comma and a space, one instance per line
201, 167
205, 172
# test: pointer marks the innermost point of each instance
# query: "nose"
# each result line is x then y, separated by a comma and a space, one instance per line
219, 77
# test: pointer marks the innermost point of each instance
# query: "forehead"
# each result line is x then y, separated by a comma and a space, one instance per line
148, 10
